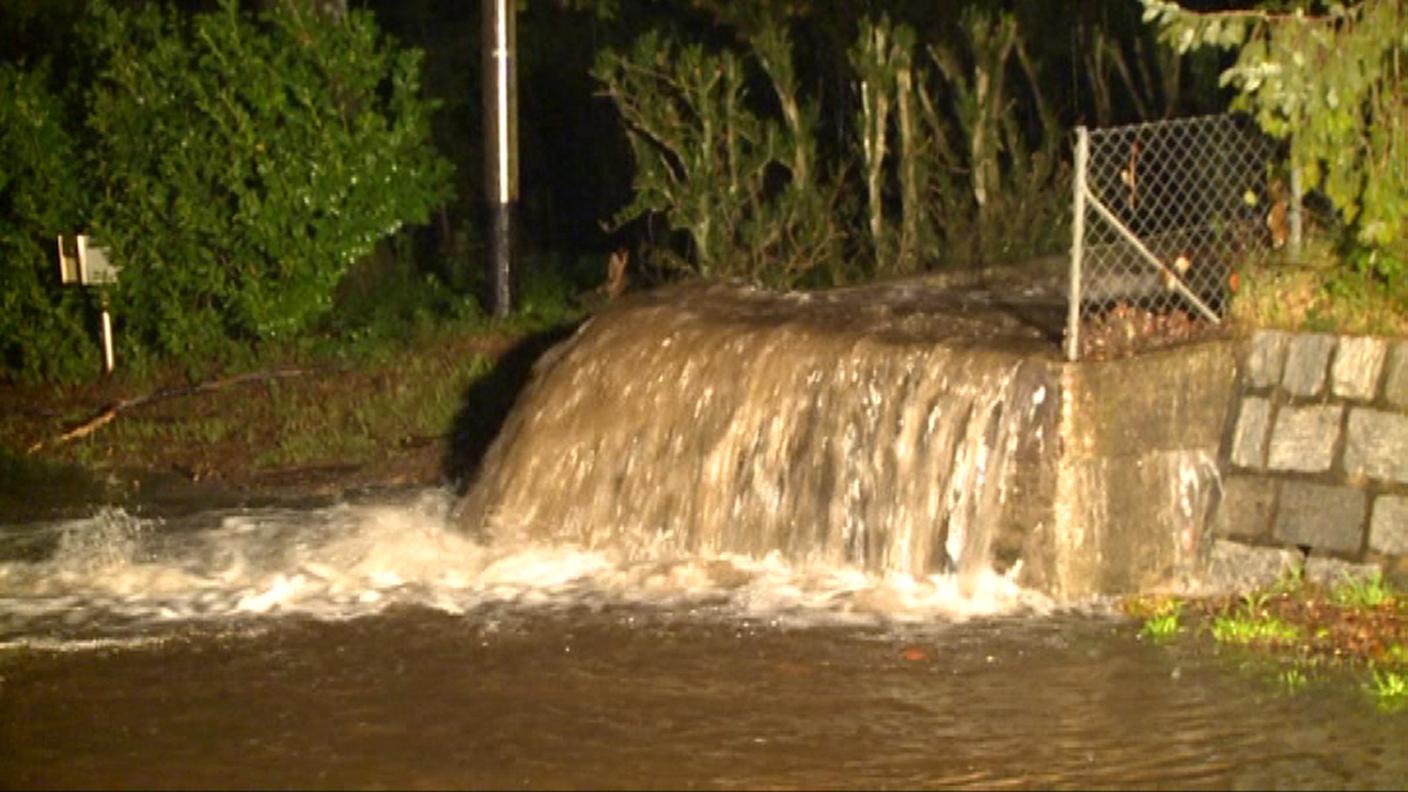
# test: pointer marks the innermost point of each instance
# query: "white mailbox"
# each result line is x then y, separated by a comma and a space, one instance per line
86, 263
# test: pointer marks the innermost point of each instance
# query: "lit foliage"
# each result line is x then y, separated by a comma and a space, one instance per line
944, 166
42, 330
244, 164
741, 185
1333, 85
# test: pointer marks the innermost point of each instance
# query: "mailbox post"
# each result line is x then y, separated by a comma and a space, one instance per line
84, 262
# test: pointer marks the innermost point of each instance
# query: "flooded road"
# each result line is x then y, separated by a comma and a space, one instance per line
373, 645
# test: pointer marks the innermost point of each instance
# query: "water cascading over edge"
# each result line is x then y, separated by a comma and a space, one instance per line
852, 428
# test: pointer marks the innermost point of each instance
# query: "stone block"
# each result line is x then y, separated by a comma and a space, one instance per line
1388, 525
1332, 572
1396, 573
1249, 439
1321, 517
1376, 445
1304, 438
1267, 355
1236, 567
1307, 359
1358, 361
1245, 509
1396, 382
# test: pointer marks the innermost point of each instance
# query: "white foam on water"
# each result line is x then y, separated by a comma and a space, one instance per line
116, 577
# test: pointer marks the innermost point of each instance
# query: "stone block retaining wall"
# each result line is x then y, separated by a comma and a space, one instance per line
1316, 459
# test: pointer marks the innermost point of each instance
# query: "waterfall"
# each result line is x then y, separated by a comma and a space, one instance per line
865, 427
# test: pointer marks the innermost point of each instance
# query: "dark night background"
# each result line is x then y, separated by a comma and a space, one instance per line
575, 163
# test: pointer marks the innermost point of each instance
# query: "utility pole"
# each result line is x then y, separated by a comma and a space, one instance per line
500, 90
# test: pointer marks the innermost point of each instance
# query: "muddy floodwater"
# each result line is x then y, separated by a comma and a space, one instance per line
374, 644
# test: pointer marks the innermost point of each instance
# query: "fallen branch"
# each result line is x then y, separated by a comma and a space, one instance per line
113, 410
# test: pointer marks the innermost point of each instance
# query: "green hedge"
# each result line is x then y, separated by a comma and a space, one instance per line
247, 163
237, 165
42, 327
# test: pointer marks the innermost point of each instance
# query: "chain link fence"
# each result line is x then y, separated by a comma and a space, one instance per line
1163, 212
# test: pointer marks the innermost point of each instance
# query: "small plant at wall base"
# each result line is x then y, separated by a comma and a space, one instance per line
1248, 627
1390, 688
1163, 627
1162, 616
1357, 592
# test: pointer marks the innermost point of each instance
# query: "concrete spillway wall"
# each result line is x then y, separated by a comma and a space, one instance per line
1233, 463
1138, 474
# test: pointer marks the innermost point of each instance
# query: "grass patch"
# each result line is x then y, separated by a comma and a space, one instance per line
1356, 629
1390, 689
391, 373
356, 405
1162, 616
1363, 593
1293, 679
1250, 628
1320, 290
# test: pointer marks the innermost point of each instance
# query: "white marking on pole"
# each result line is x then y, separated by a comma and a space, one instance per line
107, 341
501, 56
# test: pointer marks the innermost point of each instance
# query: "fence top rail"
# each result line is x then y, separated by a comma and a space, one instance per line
1236, 119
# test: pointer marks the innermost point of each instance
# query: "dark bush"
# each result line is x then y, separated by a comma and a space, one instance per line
44, 331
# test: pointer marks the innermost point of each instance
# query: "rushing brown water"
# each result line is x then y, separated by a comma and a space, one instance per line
860, 427
715, 547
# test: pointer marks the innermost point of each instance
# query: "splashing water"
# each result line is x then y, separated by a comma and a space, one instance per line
795, 457
114, 574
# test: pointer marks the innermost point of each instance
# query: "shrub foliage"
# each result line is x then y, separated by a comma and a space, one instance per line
236, 166
41, 327
939, 166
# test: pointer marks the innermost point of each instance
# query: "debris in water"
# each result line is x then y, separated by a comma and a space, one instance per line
913, 654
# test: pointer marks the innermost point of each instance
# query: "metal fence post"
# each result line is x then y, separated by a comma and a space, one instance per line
1297, 219
1082, 154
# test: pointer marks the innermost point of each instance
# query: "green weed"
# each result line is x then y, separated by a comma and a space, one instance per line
1291, 581
1363, 592
1255, 601
1390, 689
1253, 628
1293, 679
1165, 621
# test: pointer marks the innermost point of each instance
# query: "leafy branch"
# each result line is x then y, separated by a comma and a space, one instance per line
1332, 85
